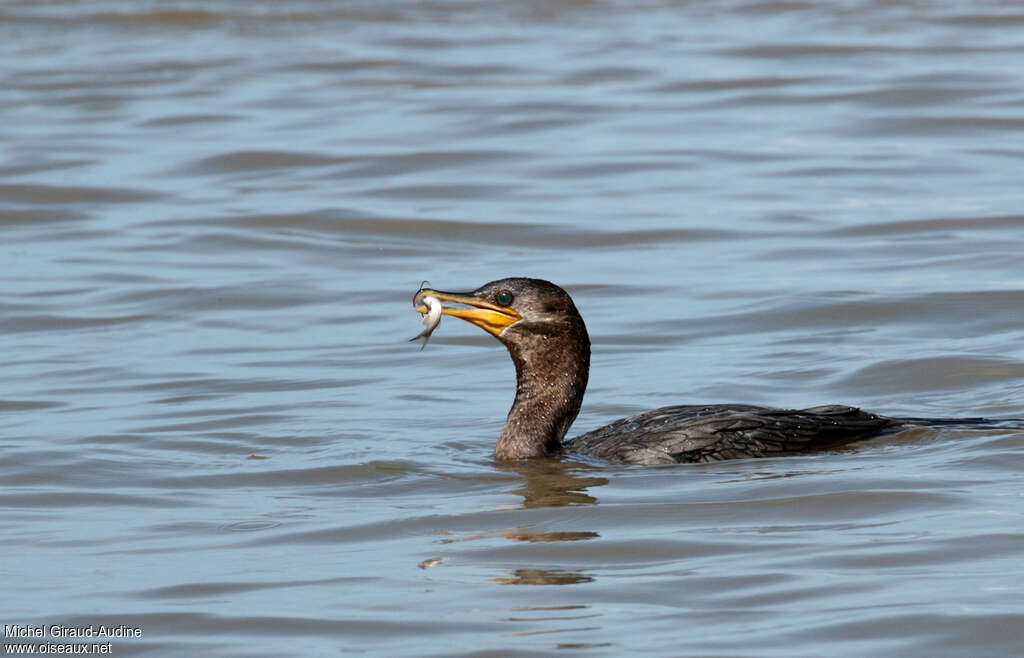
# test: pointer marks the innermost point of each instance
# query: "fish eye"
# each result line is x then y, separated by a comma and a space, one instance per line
504, 298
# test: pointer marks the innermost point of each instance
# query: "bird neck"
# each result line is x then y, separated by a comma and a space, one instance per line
551, 378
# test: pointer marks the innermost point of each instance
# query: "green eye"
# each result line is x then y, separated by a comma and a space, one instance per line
504, 298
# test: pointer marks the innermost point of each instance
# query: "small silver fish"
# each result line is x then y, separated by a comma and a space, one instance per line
432, 319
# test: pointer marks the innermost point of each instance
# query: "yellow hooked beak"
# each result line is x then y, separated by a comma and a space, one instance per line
490, 317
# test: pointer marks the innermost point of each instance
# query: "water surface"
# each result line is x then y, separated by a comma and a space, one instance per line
213, 218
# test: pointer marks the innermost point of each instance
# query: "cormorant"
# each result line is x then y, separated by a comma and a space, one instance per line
546, 337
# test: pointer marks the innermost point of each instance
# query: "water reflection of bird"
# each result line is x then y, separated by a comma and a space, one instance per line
546, 337
554, 483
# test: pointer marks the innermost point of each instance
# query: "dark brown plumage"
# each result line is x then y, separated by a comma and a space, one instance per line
539, 324
693, 433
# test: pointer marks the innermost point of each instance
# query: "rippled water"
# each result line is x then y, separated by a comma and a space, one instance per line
212, 220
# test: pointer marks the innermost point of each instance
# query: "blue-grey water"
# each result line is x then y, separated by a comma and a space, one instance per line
213, 217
